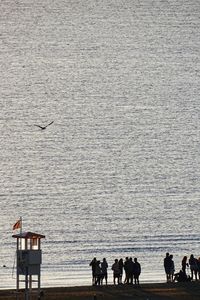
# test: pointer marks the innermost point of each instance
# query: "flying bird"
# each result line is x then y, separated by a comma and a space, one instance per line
44, 127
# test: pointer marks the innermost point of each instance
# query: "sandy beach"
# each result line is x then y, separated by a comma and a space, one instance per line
176, 291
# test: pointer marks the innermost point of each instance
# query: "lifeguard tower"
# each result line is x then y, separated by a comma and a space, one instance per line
29, 259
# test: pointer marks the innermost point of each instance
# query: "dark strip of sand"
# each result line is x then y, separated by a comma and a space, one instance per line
153, 291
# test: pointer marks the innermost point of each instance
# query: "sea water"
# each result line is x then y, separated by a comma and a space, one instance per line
117, 173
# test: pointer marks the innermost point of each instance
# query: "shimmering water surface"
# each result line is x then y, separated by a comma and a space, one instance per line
117, 173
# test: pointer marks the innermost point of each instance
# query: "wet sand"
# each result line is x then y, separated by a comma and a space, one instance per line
175, 291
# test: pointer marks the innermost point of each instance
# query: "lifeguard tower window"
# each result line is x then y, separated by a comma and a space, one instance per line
35, 242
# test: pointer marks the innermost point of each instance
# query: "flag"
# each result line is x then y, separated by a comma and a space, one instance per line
17, 225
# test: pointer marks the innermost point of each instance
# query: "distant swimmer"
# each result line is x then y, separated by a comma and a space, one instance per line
44, 127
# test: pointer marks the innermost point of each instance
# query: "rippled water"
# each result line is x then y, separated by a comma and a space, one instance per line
117, 173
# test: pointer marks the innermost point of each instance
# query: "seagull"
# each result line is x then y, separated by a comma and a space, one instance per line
44, 127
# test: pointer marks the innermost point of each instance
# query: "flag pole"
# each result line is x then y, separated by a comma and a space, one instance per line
20, 233
20, 225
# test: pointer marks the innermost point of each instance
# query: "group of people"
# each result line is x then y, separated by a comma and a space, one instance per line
192, 263
99, 271
131, 268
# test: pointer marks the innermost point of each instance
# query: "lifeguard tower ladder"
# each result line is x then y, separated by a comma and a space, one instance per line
29, 259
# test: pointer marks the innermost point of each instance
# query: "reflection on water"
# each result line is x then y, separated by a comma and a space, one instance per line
117, 173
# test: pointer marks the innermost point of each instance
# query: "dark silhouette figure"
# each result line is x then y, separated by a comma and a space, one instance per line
98, 273
181, 277
126, 270
193, 266
121, 266
136, 271
93, 264
198, 265
44, 127
130, 269
167, 266
172, 268
184, 264
116, 271
104, 267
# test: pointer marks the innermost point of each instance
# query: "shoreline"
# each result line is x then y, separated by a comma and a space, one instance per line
150, 291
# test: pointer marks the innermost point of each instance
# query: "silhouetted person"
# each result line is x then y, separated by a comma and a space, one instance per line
126, 270
104, 267
116, 271
93, 265
167, 266
184, 264
198, 264
98, 273
136, 271
130, 268
193, 266
181, 277
172, 268
121, 265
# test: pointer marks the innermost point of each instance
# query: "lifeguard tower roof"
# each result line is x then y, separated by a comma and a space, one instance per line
28, 235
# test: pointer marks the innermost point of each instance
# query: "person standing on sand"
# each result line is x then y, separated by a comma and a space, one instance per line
193, 266
98, 273
130, 267
126, 270
198, 265
116, 271
121, 266
172, 268
136, 271
184, 264
93, 264
104, 267
167, 266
